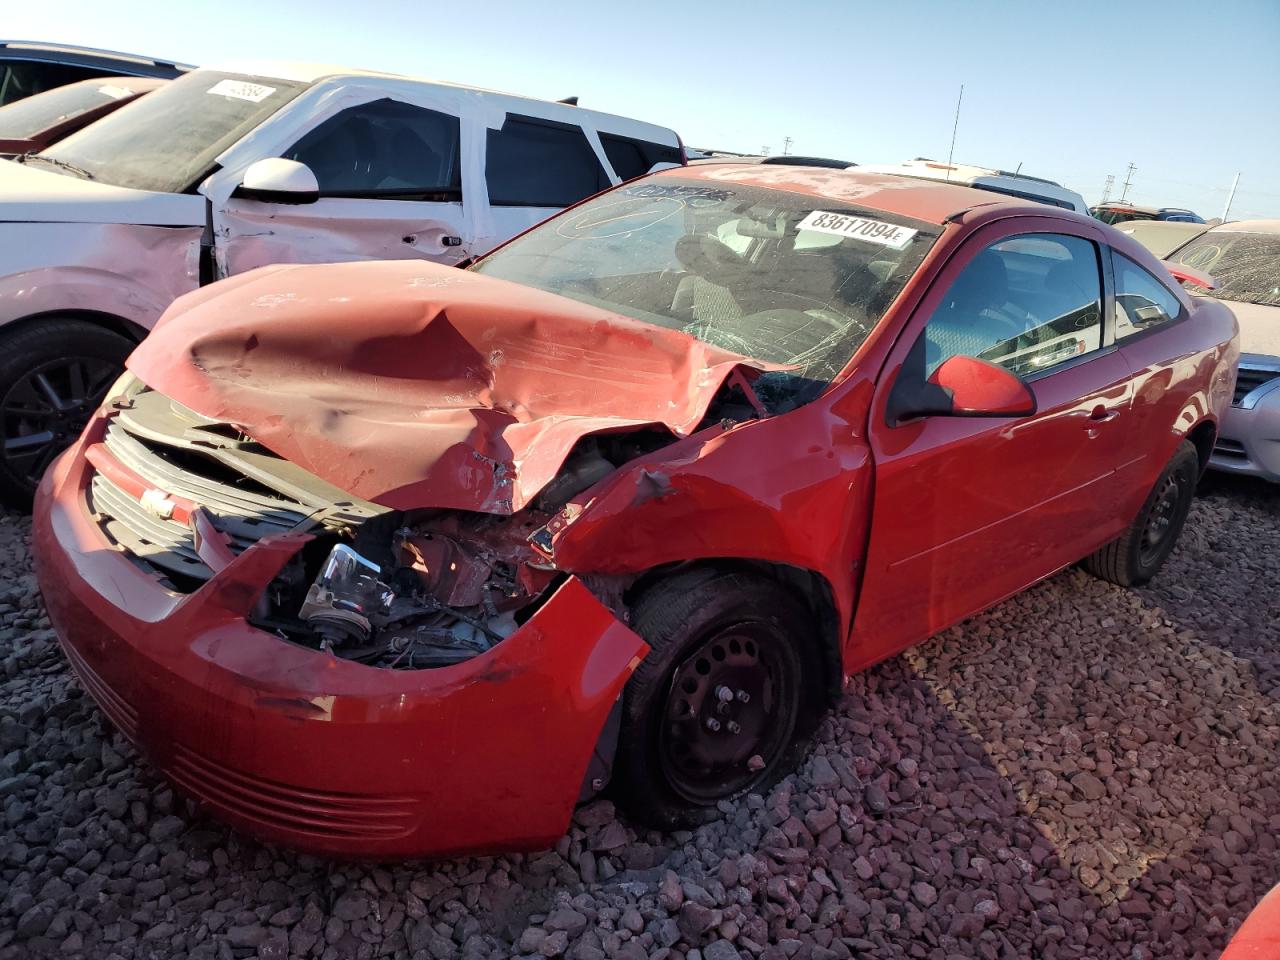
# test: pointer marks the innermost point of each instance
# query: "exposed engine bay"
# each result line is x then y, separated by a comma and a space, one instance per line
430, 588
183, 494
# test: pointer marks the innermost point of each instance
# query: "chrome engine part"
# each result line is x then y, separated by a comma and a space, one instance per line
345, 598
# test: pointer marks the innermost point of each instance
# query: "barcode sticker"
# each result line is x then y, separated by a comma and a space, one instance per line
242, 90
858, 228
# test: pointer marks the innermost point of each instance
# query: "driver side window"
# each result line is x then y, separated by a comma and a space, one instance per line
384, 150
1028, 303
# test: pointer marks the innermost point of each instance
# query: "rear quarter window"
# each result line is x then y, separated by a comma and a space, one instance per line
633, 158
532, 162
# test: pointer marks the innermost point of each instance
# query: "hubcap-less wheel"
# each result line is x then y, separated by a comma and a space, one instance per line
45, 410
730, 711
1164, 512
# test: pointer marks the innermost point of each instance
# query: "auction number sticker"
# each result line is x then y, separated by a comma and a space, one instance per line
242, 90
858, 228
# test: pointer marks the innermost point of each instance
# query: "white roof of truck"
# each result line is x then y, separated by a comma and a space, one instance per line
312, 73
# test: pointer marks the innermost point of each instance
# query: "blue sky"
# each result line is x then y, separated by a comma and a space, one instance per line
1187, 91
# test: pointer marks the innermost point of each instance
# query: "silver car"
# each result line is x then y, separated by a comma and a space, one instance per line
1244, 259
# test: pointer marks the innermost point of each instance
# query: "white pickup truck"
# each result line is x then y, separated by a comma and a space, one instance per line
226, 170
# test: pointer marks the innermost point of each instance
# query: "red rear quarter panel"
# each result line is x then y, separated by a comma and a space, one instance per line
1184, 375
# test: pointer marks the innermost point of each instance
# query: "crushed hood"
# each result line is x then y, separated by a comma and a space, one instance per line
39, 193
414, 384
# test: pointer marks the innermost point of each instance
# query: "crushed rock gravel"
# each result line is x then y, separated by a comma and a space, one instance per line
1084, 771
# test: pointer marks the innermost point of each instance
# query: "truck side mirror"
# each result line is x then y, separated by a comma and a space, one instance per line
277, 180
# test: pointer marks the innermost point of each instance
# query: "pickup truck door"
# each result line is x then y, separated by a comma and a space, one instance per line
392, 177
968, 510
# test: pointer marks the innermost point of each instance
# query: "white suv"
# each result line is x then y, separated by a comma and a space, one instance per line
223, 171
985, 178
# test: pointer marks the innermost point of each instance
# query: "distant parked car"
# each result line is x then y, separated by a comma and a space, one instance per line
1118, 211
1161, 237
223, 171
1243, 258
28, 68
1019, 185
32, 124
388, 559
780, 160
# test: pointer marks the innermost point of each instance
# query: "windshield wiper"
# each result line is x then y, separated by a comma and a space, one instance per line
80, 172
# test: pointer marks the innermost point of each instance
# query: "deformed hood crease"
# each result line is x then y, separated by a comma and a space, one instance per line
413, 384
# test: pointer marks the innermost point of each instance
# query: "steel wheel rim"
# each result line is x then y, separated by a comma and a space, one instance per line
714, 741
47, 408
1160, 521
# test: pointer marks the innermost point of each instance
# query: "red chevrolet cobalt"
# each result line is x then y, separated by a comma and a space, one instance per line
390, 559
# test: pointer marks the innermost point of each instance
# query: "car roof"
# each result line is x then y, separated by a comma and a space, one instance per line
932, 201
1126, 205
34, 48
951, 172
1248, 226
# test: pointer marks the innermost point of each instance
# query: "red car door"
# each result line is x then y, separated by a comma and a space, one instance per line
968, 510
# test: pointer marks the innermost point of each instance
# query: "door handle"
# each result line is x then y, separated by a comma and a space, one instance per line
451, 241
1101, 414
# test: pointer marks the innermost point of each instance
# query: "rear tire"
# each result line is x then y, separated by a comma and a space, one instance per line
54, 374
1136, 556
730, 687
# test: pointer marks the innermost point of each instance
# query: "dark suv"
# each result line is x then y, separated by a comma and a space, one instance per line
27, 67
1120, 212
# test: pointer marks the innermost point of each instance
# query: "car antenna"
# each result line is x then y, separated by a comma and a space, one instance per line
571, 101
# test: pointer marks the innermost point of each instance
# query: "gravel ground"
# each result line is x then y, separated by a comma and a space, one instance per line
1082, 772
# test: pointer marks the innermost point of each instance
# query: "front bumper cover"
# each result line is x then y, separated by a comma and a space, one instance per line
1249, 441
299, 747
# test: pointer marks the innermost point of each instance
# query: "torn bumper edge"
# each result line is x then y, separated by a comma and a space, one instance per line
298, 747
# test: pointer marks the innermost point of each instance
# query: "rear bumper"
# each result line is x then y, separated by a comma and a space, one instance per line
1249, 441
298, 747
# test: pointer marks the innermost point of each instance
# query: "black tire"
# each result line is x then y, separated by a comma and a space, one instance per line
53, 374
1136, 556
712, 631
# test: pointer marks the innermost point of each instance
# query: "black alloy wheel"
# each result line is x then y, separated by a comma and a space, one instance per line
54, 373
46, 410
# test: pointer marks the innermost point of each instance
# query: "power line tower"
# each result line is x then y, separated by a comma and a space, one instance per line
765, 150
786, 145
1106, 187
1128, 179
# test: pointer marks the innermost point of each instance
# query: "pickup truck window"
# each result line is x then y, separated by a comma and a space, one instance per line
26, 78
633, 158
168, 141
729, 264
1029, 303
384, 150
540, 163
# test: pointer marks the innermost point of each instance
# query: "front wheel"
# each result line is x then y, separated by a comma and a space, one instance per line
53, 374
729, 687
1137, 554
